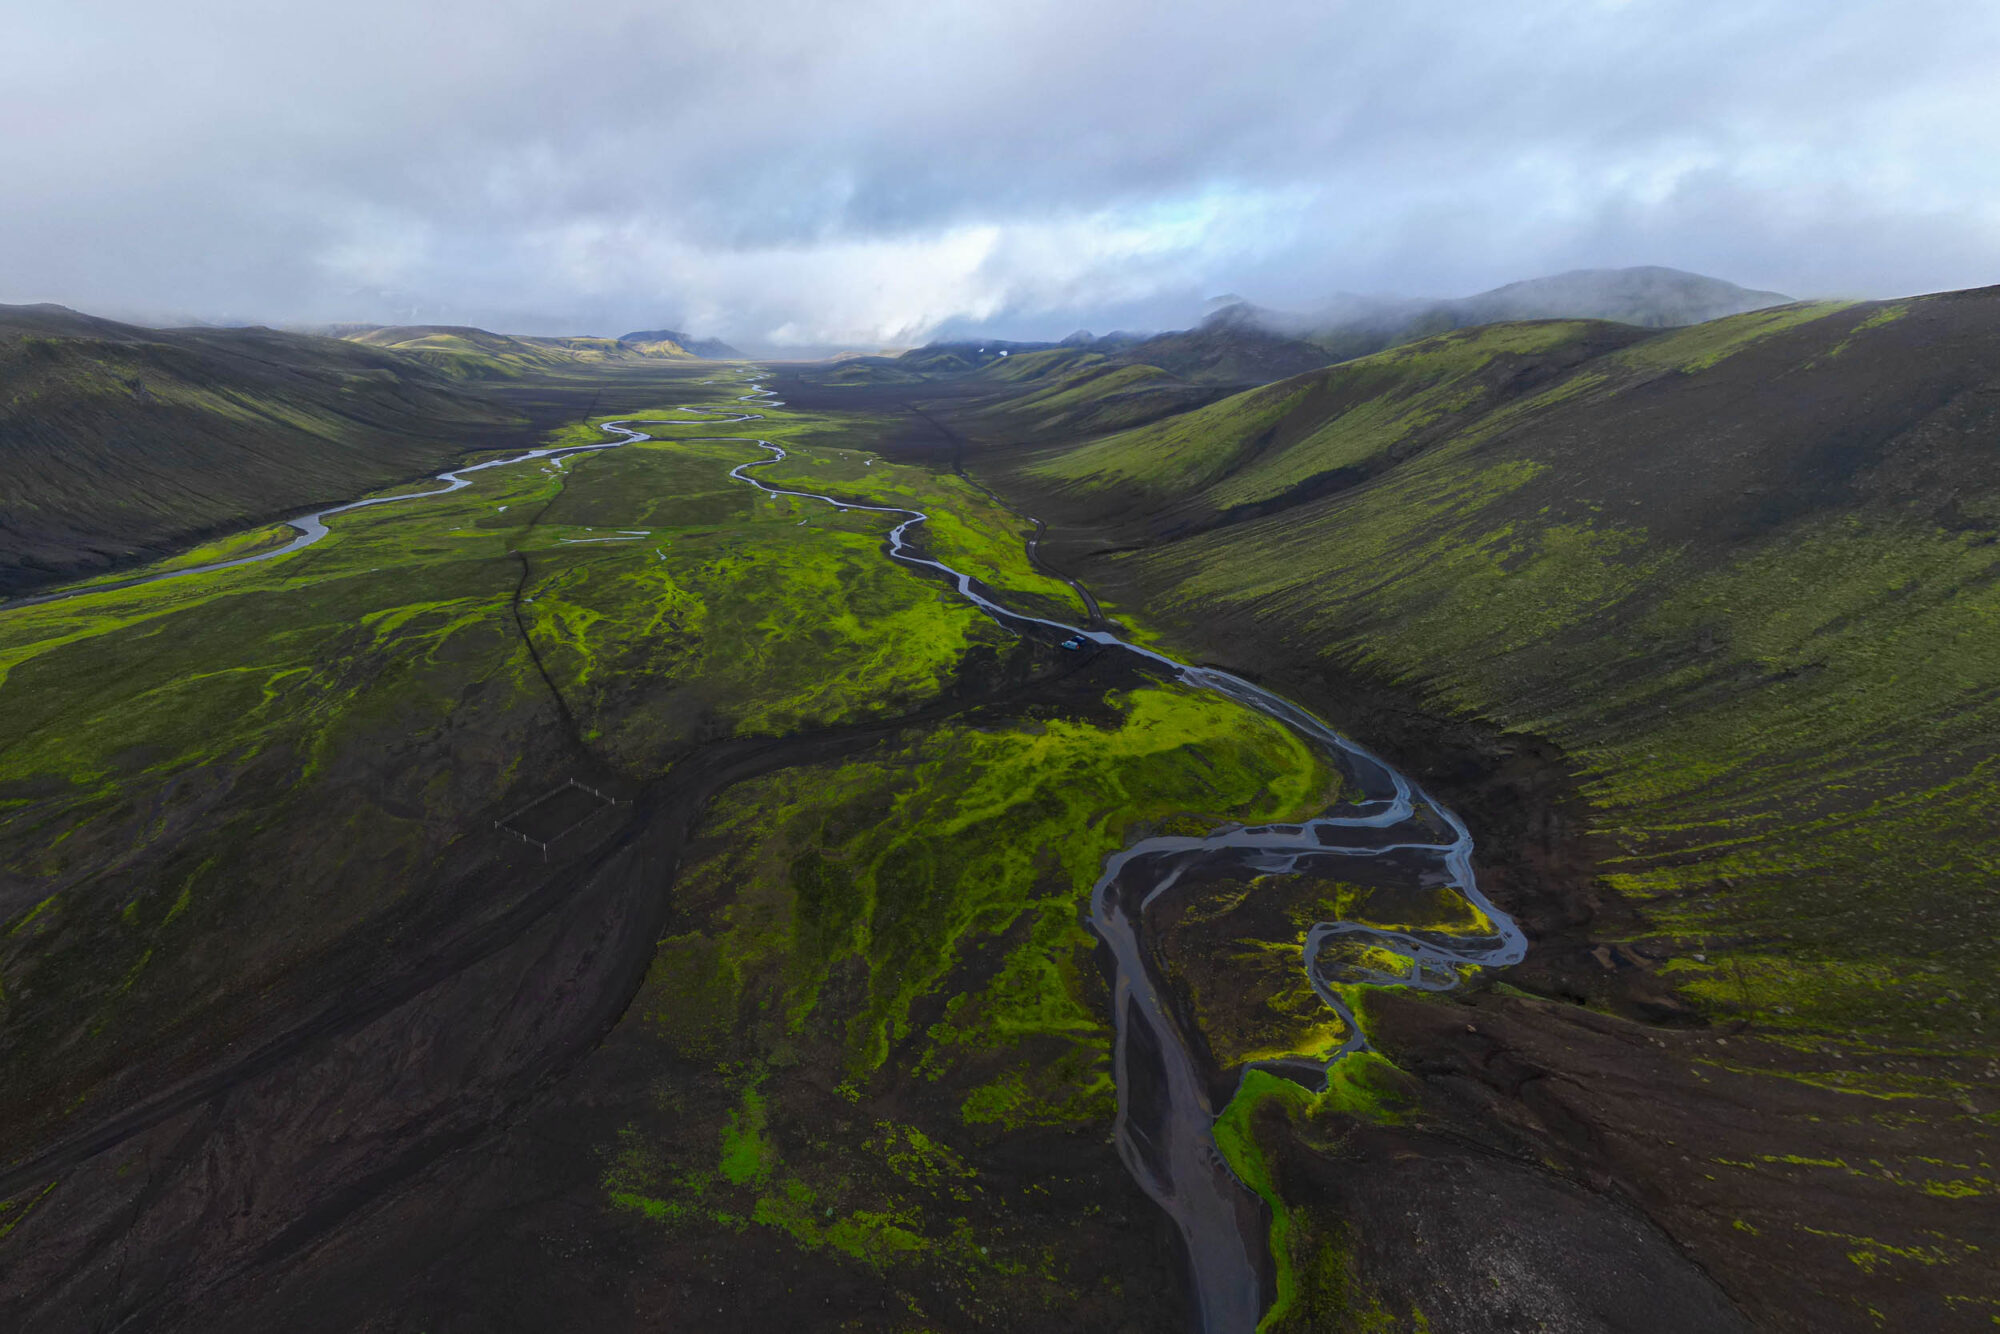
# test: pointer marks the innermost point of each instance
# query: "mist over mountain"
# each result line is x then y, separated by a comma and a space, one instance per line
1239, 342
1647, 296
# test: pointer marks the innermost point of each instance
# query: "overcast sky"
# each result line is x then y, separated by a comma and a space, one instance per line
872, 172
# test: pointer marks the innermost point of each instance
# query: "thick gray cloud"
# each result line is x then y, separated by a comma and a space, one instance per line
874, 171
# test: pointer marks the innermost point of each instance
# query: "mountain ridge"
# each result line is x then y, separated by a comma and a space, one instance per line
1241, 343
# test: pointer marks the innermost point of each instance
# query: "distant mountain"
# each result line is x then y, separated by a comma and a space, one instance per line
711, 349
465, 353
1648, 296
1234, 346
1240, 343
1244, 343
957, 357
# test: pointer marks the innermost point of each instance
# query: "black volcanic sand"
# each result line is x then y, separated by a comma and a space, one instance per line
415, 1140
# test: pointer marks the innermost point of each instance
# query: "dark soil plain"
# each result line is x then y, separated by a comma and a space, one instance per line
798, 1024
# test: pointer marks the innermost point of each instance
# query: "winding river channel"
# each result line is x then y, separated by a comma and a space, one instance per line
1167, 1140
1165, 1133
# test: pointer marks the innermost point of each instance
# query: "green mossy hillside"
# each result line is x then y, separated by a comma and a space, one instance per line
1350, 419
1091, 397
1751, 592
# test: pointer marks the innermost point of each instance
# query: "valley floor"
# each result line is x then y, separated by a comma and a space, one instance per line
611, 897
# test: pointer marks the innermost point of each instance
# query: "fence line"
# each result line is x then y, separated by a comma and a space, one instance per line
505, 821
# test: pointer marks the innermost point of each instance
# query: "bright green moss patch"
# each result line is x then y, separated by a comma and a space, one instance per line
1037, 994
1888, 314
967, 529
1316, 1283
747, 1155
1368, 1086
1871, 1254
1702, 346
898, 866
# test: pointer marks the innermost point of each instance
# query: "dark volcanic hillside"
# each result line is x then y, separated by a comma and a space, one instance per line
1712, 618
120, 443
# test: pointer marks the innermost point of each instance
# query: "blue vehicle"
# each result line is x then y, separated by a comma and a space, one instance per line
1073, 643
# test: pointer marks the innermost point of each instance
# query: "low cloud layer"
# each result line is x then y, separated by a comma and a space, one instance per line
792, 175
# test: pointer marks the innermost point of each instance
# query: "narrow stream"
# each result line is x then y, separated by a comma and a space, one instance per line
1166, 1138
312, 527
